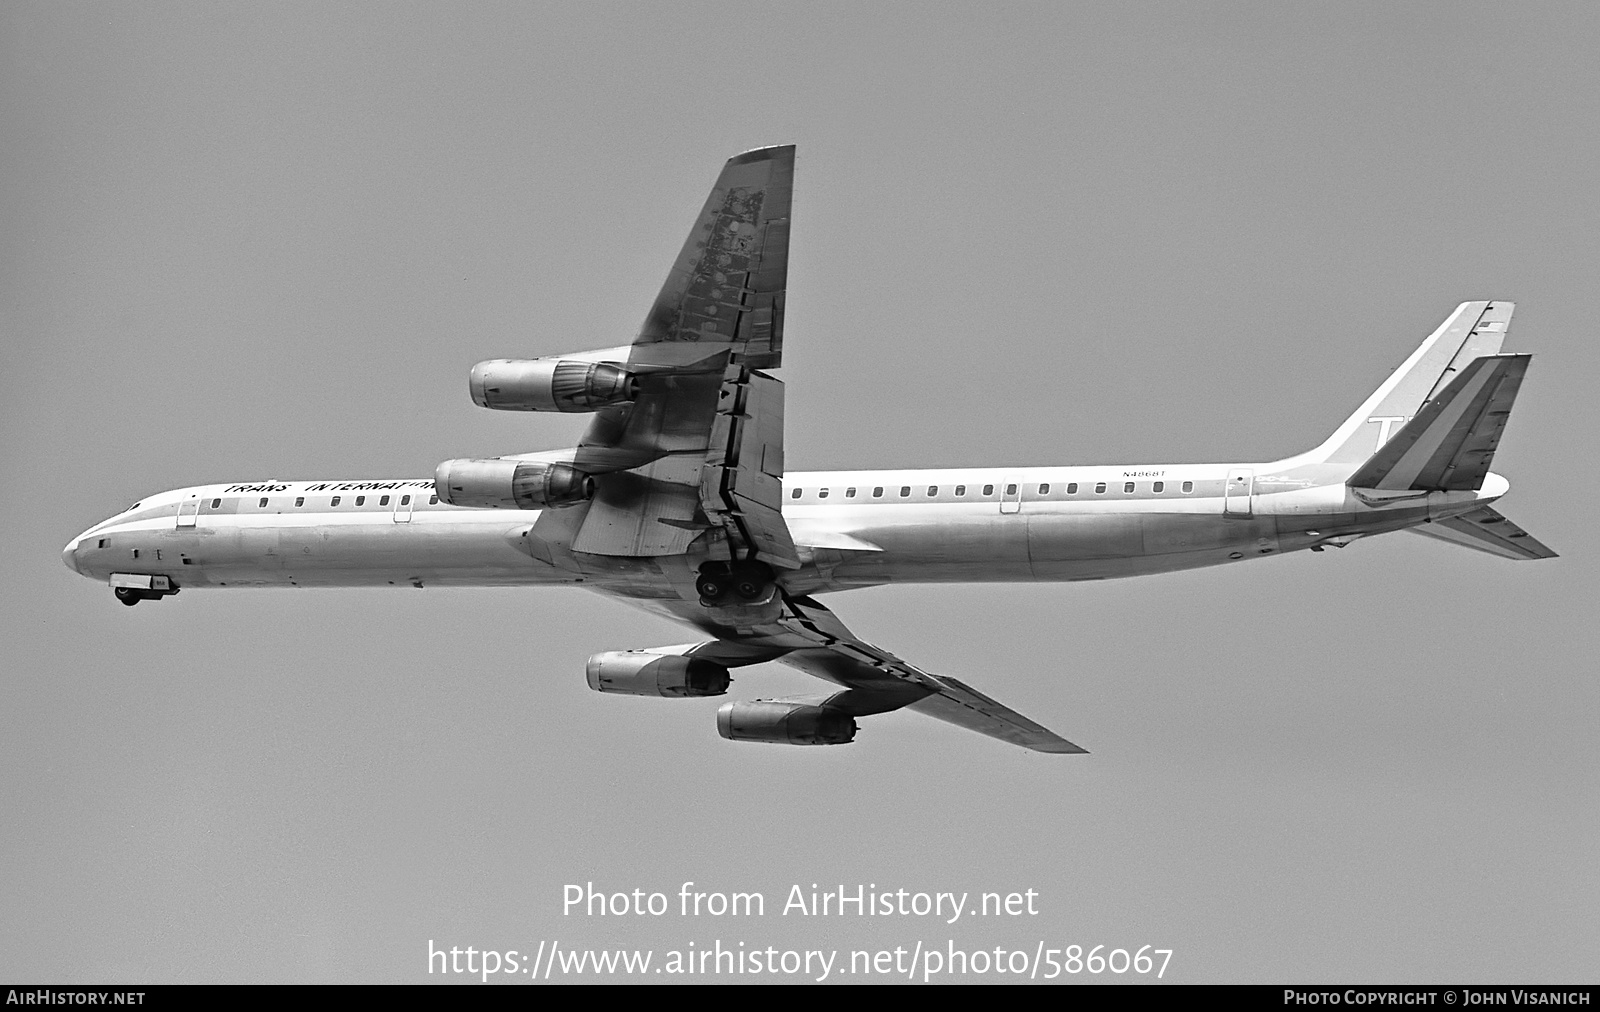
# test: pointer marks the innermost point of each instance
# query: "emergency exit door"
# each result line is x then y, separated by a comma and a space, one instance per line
1011, 496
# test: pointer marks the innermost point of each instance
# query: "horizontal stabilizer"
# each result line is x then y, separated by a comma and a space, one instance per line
1487, 531
1449, 445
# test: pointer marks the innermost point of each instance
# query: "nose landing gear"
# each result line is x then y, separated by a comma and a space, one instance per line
745, 582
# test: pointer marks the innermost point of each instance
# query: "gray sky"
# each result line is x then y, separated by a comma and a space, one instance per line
252, 241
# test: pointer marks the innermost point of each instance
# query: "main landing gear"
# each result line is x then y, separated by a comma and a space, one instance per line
725, 583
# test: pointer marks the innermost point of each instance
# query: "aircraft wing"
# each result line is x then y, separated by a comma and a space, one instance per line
726, 288
701, 447
876, 681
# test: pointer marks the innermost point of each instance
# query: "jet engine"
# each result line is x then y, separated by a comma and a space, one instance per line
511, 484
642, 673
774, 720
550, 384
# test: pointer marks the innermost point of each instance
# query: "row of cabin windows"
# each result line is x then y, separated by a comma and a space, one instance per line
1011, 489
361, 500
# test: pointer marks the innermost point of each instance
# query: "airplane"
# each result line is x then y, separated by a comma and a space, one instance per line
677, 500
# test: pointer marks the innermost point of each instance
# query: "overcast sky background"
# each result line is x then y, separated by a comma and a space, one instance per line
267, 241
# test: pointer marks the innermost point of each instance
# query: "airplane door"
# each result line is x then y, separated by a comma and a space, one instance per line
189, 511
1236, 497
1011, 496
402, 510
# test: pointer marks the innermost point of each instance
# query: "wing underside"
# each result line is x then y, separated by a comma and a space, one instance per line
811, 638
701, 447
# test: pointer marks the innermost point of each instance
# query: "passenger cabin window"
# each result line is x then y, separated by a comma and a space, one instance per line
1011, 489
405, 500
877, 493
795, 494
961, 490
263, 504
1159, 486
299, 500
384, 501
849, 493
933, 490
433, 500
905, 490
988, 490
1188, 486
336, 500
823, 494
1127, 486
361, 500
215, 503
1044, 489
1072, 488
1100, 488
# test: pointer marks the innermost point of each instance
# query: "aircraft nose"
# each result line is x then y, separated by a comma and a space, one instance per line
69, 555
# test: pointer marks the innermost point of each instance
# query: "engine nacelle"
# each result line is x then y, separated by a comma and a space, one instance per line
773, 720
550, 384
642, 673
511, 484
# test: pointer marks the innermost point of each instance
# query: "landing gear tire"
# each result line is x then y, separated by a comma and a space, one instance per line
127, 596
711, 590
749, 589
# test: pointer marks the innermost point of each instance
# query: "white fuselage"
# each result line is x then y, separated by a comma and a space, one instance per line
853, 528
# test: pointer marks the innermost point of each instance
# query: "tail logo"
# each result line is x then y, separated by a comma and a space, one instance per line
1386, 426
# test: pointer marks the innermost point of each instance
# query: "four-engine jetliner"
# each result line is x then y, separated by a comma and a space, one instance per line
677, 499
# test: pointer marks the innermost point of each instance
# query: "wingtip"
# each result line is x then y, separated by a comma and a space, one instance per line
1054, 745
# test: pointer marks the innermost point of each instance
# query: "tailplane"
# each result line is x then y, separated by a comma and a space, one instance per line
1449, 444
1486, 530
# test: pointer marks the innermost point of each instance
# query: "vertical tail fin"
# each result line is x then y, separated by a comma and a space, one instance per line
1474, 330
